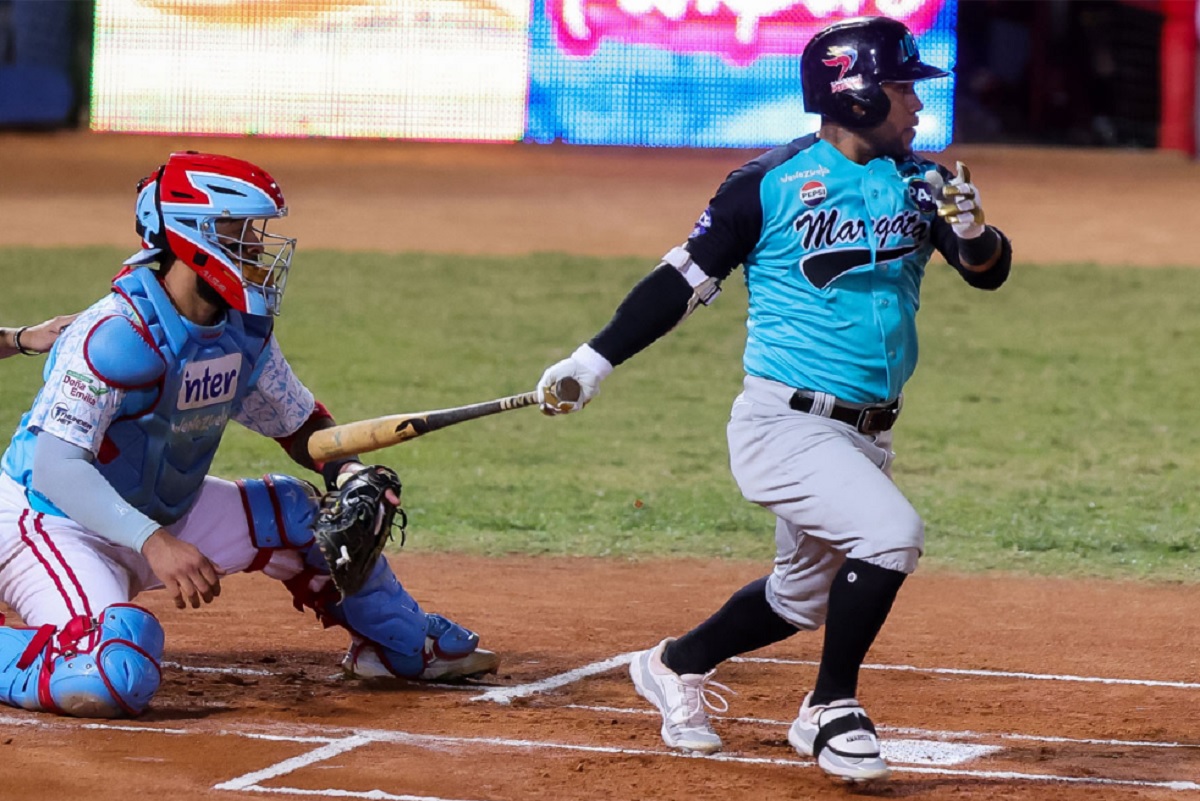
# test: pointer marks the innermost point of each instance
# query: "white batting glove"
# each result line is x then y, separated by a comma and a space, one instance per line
958, 202
587, 367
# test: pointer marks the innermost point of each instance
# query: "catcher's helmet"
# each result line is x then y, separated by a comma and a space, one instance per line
843, 66
178, 207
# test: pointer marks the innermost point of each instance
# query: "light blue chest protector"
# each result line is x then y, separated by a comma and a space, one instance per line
160, 447
181, 382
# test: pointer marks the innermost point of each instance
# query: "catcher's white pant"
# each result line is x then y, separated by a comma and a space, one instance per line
52, 568
831, 490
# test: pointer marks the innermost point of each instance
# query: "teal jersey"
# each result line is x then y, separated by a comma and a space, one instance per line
834, 254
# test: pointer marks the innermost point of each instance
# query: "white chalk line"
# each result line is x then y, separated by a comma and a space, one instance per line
372, 795
364, 736
917, 732
229, 671
999, 674
324, 752
505, 695
339, 741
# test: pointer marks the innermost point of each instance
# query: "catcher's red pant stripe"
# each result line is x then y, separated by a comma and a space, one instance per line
25, 525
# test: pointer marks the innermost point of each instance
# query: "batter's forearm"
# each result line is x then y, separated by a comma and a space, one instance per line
982, 252
992, 268
652, 308
986, 265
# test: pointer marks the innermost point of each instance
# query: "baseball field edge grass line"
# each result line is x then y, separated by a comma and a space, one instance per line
1047, 430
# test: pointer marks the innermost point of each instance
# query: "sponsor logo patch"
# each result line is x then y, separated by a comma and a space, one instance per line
83, 388
62, 415
209, 382
819, 172
200, 423
702, 224
922, 195
813, 193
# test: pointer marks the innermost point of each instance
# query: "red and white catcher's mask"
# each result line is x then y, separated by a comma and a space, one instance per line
211, 213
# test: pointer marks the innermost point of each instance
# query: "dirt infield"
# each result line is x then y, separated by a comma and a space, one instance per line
985, 687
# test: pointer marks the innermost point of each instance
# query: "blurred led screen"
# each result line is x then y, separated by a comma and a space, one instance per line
408, 69
705, 73
668, 73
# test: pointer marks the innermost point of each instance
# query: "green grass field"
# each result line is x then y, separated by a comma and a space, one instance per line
1048, 428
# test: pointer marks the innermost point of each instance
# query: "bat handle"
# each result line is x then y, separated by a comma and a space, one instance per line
561, 398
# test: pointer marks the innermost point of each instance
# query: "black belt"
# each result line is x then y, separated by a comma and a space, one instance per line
867, 419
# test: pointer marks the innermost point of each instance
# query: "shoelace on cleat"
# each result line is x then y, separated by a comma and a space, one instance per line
701, 695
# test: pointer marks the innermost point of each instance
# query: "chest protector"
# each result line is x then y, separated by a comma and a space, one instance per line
160, 446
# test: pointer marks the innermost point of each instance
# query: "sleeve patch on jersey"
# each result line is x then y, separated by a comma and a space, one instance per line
121, 355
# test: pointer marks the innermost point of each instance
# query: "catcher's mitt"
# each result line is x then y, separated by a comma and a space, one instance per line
354, 524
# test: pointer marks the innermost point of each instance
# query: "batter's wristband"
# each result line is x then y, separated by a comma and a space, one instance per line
17, 342
979, 249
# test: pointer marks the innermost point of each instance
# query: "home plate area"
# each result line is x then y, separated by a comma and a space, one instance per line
582, 734
993, 700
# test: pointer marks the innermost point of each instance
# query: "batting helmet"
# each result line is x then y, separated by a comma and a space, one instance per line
178, 208
843, 66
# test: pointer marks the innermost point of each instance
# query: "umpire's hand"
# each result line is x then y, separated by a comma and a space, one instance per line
185, 572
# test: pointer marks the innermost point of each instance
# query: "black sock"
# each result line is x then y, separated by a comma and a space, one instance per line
859, 602
745, 623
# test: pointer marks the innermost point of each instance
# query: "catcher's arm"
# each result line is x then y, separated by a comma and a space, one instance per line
296, 445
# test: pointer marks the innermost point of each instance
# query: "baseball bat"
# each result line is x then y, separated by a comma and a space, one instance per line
349, 439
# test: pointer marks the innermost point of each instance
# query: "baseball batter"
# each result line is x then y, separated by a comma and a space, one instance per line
834, 231
104, 491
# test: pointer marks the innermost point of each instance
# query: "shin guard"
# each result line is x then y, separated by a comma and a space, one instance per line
104, 668
388, 623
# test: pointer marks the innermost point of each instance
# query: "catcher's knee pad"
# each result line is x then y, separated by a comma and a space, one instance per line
104, 668
280, 510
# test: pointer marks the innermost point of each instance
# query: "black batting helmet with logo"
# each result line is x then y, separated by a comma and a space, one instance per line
843, 66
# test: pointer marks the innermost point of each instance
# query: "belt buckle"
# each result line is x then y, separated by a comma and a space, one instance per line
874, 421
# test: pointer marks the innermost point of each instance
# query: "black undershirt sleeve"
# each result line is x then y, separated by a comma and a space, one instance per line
720, 241
652, 308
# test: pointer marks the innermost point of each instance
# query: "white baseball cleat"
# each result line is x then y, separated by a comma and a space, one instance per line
362, 661
841, 737
680, 699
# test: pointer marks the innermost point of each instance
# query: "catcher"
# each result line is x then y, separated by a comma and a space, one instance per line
104, 491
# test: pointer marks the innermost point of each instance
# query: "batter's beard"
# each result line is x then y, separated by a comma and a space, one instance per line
892, 147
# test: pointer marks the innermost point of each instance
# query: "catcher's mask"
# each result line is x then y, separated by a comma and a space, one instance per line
211, 213
843, 69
